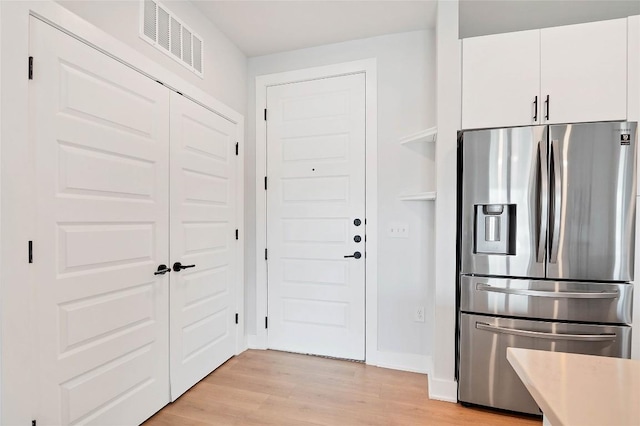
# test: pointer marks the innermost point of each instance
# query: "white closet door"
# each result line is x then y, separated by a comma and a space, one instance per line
203, 224
316, 191
100, 135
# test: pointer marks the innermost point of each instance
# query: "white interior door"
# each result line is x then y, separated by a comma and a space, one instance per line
203, 226
316, 190
101, 145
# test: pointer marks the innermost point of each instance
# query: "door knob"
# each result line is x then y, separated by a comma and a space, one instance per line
357, 255
162, 269
177, 267
357, 238
357, 222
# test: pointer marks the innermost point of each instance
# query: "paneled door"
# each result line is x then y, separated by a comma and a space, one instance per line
203, 241
100, 139
316, 216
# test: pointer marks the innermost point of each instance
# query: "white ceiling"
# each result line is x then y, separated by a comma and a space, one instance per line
482, 17
266, 27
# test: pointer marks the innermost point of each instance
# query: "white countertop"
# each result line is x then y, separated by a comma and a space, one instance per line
573, 389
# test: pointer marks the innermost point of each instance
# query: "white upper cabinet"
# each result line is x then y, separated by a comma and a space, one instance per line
501, 80
574, 73
584, 71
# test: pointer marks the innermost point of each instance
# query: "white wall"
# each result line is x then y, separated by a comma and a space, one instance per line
406, 104
441, 382
225, 66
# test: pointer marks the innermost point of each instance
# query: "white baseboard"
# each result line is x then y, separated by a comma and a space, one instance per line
443, 390
256, 342
400, 361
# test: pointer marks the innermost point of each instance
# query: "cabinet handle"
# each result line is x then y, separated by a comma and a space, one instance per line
546, 103
535, 109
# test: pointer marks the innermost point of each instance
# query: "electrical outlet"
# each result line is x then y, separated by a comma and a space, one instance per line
418, 315
398, 230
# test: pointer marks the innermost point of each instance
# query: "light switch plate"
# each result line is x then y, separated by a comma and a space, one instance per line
398, 230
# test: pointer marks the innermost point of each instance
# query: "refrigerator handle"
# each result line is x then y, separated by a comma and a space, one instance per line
550, 293
604, 337
543, 201
556, 199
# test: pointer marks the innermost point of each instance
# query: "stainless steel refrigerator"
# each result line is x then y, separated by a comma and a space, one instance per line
546, 250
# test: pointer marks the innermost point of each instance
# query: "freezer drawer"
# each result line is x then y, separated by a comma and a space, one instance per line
487, 378
553, 300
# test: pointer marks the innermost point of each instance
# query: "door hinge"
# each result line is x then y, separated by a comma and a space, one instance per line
237, 148
30, 251
30, 67
265, 183
265, 254
236, 234
265, 114
236, 317
266, 322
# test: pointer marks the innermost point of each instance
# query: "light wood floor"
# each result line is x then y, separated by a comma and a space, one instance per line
279, 388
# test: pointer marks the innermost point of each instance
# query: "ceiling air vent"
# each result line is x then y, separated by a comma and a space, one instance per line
161, 28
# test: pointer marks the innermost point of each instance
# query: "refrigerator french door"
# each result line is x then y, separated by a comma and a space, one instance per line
550, 201
547, 234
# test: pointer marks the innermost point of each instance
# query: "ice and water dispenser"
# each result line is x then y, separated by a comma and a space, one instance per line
495, 229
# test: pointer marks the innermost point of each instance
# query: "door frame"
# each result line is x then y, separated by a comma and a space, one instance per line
18, 357
369, 68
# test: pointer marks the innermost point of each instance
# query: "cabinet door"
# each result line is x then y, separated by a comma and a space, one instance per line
500, 80
584, 72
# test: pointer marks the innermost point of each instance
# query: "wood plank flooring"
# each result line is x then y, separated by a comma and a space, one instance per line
278, 388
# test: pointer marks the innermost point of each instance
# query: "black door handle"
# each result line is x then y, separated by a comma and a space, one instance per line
162, 269
177, 267
357, 255
535, 110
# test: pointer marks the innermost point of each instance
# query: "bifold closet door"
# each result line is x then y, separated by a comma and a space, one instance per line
100, 136
203, 224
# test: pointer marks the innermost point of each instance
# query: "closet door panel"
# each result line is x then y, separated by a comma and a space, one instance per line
100, 139
203, 224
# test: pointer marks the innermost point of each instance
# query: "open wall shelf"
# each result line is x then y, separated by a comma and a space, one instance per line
425, 136
420, 196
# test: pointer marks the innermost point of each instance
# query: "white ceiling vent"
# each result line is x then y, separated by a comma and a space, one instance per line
161, 28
